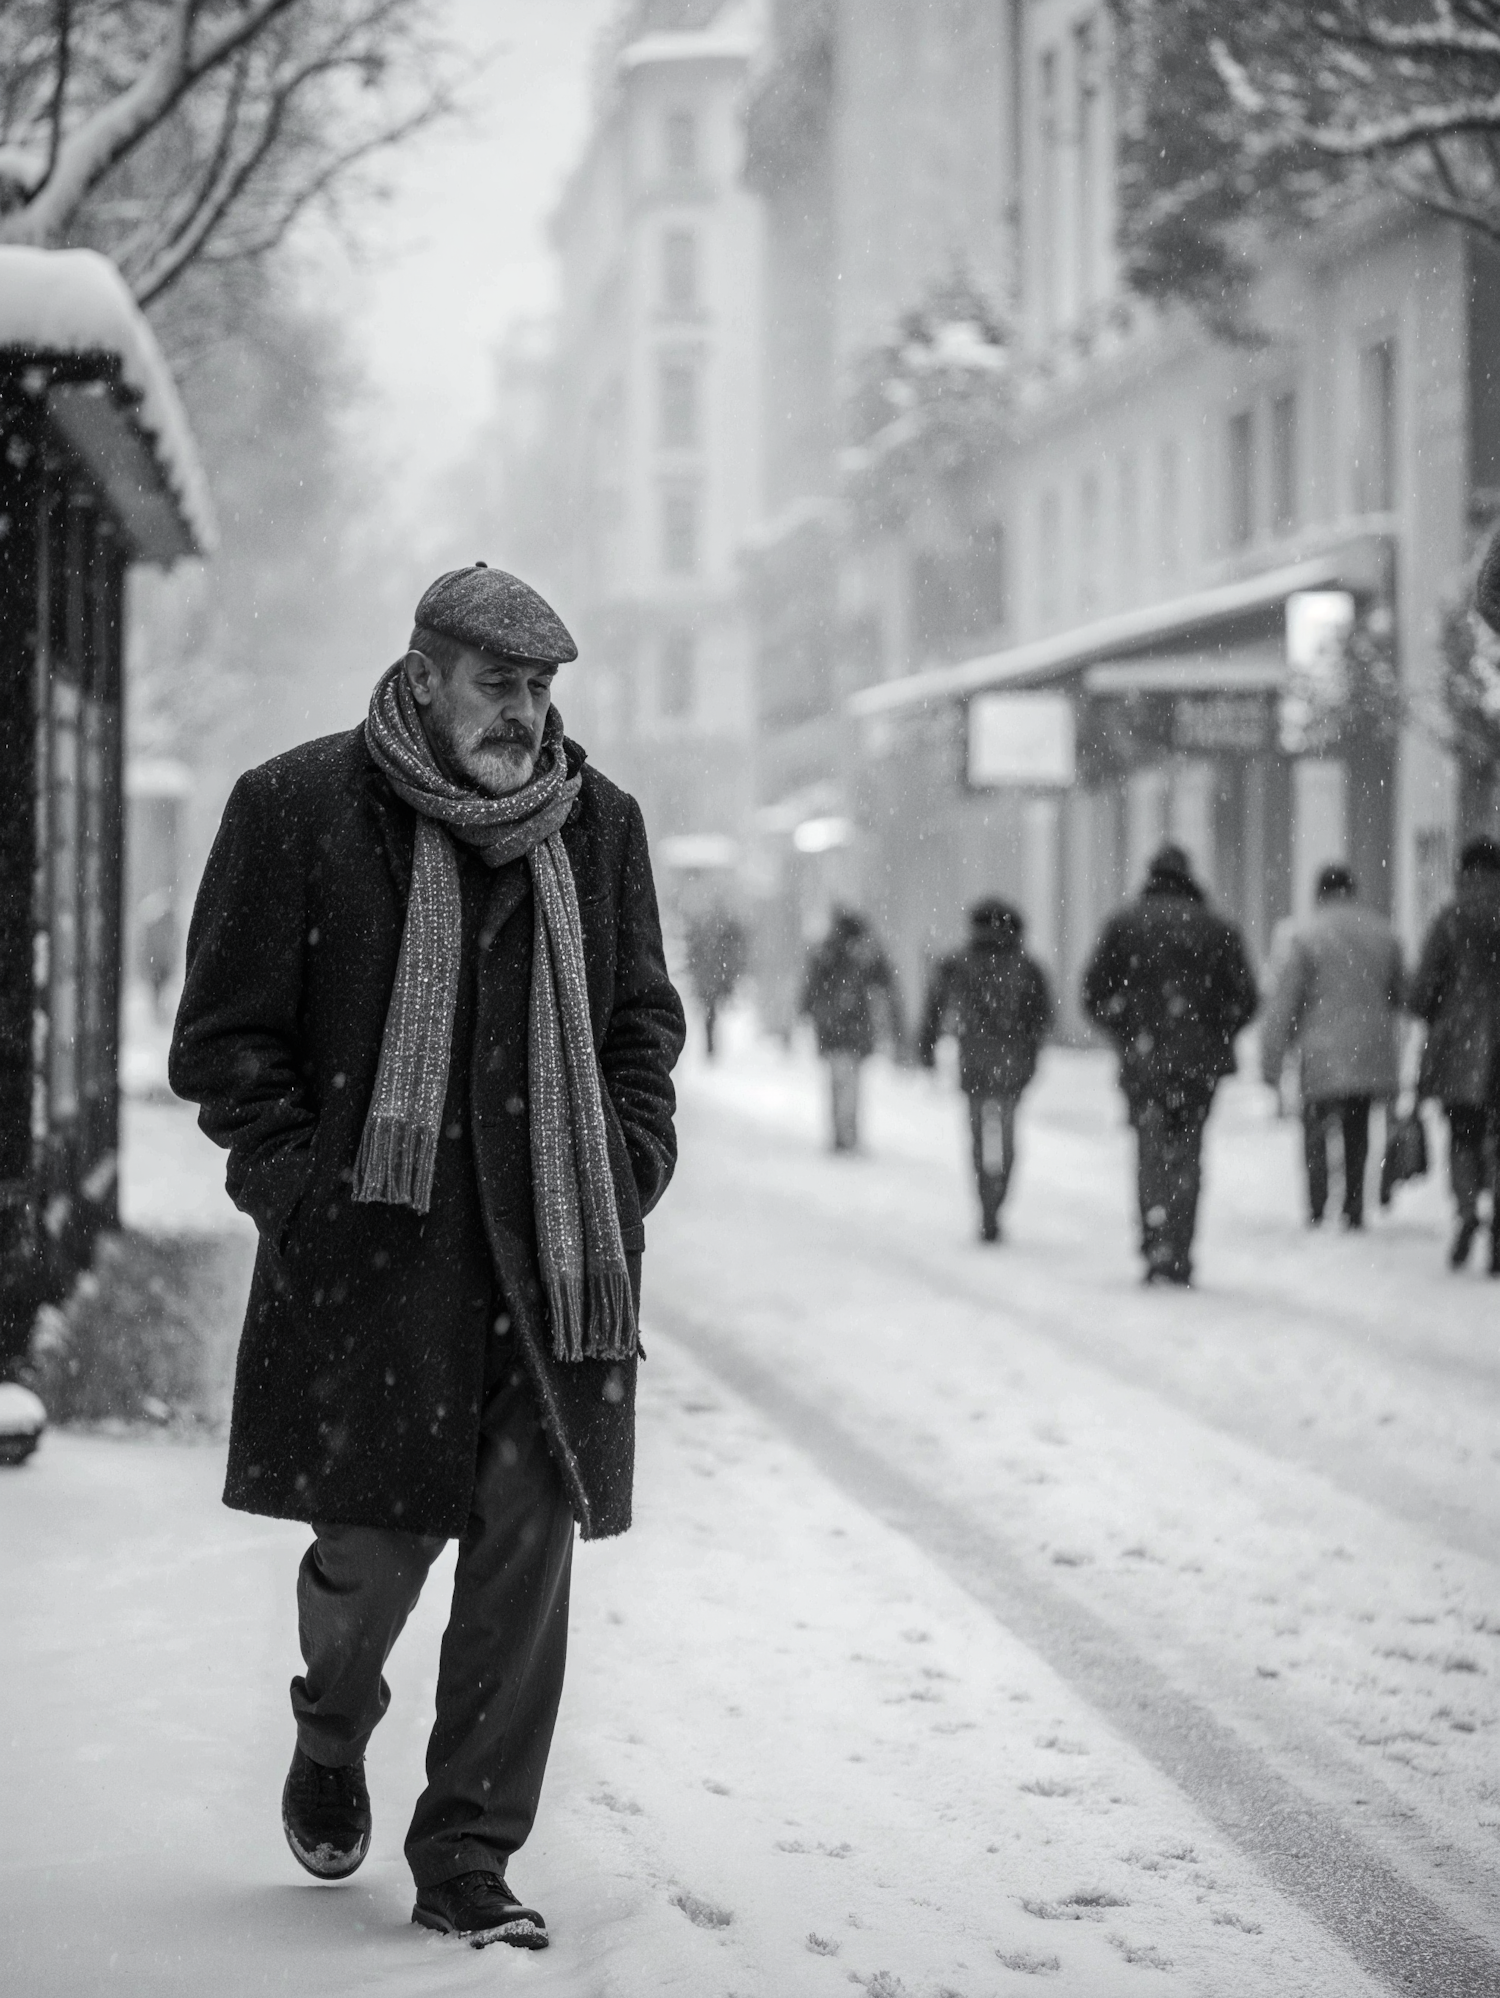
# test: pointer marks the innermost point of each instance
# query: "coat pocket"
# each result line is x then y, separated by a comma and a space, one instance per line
627, 1193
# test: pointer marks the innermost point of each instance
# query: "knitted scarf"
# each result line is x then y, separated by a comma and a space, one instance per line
579, 1249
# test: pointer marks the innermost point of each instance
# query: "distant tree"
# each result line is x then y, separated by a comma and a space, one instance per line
175, 133
1239, 120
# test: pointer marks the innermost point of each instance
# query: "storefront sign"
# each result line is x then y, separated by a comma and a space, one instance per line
1218, 724
1022, 740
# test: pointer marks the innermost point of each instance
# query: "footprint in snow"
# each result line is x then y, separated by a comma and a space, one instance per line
625, 1806
1087, 1905
1140, 1953
1027, 1961
702, 1914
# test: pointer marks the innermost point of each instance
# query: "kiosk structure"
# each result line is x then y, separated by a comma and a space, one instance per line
97, 471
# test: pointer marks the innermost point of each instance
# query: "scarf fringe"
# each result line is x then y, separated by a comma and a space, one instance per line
396, 1163
593, 1318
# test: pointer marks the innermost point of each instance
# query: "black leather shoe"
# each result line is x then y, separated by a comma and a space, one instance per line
325, 1814
482, 1909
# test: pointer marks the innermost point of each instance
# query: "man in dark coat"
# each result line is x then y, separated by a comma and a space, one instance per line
1456, 990
847, 979
427, 1012
995, 997
1171, 985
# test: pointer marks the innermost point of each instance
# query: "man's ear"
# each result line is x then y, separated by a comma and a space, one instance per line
421, 674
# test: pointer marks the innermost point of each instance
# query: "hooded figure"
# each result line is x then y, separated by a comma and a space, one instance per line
1456, 990
1170, 984
996, 999
427, 1014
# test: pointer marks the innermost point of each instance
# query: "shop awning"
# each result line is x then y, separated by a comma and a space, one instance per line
69, 315
1355, 564
1248, 669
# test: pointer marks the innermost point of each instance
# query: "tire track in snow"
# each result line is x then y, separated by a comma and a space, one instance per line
1390, 1926
1352, 1468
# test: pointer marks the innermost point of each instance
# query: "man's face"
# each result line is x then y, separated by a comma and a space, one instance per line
482, 716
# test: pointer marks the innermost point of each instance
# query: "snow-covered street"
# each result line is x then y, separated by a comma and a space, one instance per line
989, 1625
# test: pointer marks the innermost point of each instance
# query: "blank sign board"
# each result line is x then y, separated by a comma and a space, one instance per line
1023, 739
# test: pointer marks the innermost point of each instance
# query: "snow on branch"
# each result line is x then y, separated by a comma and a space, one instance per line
172, 131
1239, 122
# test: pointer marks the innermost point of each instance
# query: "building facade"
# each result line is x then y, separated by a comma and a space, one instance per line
1184, 588
655, 395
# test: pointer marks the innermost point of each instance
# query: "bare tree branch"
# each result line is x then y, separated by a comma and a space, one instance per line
60, 90
115, 129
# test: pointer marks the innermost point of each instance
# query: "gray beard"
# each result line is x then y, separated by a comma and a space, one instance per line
496, 769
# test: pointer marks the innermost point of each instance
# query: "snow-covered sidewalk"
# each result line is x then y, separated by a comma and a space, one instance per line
792, 1753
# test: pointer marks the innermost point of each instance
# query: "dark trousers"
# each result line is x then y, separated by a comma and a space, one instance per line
992, 1127
1472, 1144
1169, 1172
1351, 1114
500, 1673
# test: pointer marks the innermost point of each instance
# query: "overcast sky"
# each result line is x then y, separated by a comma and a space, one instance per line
462, 248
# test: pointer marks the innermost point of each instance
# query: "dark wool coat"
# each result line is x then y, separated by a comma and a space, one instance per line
1456, 990
846, 975
996, 999
1170, 983
371, 1329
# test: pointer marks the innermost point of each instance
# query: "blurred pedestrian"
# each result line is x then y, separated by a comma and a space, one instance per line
156, 916
1456, 990
847, 983
1171, 985
996, 999
716, 952
1336, 995
428, 1015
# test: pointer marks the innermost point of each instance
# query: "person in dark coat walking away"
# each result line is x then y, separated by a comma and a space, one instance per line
1456, 990
996, 999
1171, 985
1336, 996
716, 963
427, 1013
847, 982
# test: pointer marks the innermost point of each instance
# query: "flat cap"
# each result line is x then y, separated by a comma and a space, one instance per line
498, 613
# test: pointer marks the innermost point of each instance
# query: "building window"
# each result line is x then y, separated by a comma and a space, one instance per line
676, 688
679, 270
677, 402
1128, 528
987, 605
1047, 189
1284, 463
680, 133
679, 531
1049, 552
1375, 467
1169, 506
1086, 75
1240, 479
1089, 543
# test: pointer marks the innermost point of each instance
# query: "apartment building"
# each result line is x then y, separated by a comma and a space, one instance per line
654, 397
1177, 533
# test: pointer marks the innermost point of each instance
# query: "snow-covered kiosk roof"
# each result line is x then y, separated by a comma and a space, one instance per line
69, 314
